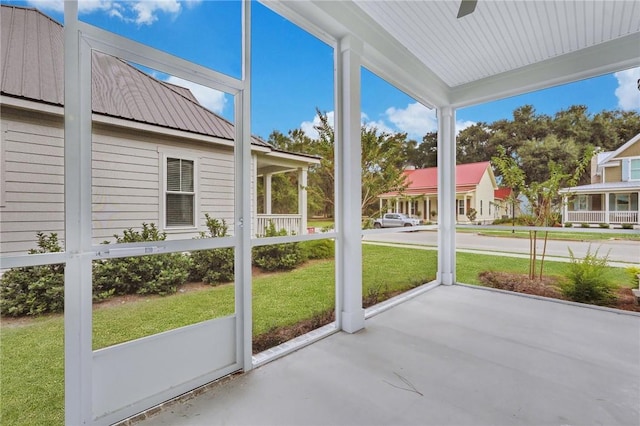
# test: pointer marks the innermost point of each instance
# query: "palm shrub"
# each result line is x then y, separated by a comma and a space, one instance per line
34, 290
277, 257
588, 279
215, 265
153, 274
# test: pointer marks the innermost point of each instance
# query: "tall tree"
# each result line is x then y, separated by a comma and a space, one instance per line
424, 154
474, 144
382, 165
534, 157
382, 162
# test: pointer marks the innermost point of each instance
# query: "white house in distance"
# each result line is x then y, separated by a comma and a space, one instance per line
158, 155
476, 188
612, 196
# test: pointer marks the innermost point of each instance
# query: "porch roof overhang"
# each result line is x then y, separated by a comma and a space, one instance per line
597, 188
416, 192
502, 49
276, 161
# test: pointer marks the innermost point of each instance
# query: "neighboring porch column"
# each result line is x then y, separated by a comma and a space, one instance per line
267, 193
254, 195
606, 207
464, 206
380, 205
302, 199
447, 208
348, 146
565, 210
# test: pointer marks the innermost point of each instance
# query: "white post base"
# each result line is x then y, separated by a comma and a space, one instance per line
353, 321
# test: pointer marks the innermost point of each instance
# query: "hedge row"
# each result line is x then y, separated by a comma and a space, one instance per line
35, 290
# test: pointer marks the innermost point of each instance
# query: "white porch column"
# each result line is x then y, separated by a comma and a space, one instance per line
302, 199
254, 196
380, 205
267, 193
348, 144
606, 207
464, 206
446, 196
565, 210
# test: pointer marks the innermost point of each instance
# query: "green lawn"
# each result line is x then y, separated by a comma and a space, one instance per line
320, 223
569, 236
31, 359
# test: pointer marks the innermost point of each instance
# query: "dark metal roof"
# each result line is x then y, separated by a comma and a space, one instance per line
32, 68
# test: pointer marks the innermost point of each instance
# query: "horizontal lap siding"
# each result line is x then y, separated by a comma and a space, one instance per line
217, 186
126, 187
33, 185
125, 183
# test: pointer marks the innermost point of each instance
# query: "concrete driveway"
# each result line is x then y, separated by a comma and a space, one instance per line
619, 250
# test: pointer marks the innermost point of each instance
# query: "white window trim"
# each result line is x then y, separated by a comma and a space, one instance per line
183, 155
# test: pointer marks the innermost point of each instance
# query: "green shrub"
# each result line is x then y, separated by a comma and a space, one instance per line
523, 220
277, 257
585, 225
472, 214
215, 265
568, 225
633, 272
603, 225
317, 249
153, 274
34, 290
627, 226
588, 280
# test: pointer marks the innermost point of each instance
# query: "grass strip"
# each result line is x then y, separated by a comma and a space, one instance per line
32, 353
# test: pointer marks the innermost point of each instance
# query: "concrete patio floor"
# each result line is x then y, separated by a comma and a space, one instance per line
455, 355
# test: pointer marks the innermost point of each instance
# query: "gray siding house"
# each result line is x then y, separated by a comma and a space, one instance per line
158, 155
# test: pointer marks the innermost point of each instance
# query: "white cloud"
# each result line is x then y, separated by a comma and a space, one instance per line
146, 11
380, 126
461, 125
309, 127
416, 119
211, 99
627, 91
142, 12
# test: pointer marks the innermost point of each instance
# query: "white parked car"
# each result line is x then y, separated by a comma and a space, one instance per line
394, 220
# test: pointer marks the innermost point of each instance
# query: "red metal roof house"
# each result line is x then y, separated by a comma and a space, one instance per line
476, 188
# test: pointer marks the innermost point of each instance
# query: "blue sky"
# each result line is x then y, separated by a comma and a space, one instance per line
293, 71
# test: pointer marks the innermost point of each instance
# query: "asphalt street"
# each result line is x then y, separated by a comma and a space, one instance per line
618, 250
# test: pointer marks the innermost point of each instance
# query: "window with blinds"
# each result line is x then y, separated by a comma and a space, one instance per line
180, 193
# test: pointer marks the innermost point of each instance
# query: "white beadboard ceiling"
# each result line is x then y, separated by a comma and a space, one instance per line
499, 36
504, 47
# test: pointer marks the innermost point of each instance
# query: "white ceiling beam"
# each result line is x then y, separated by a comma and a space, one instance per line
612, 56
